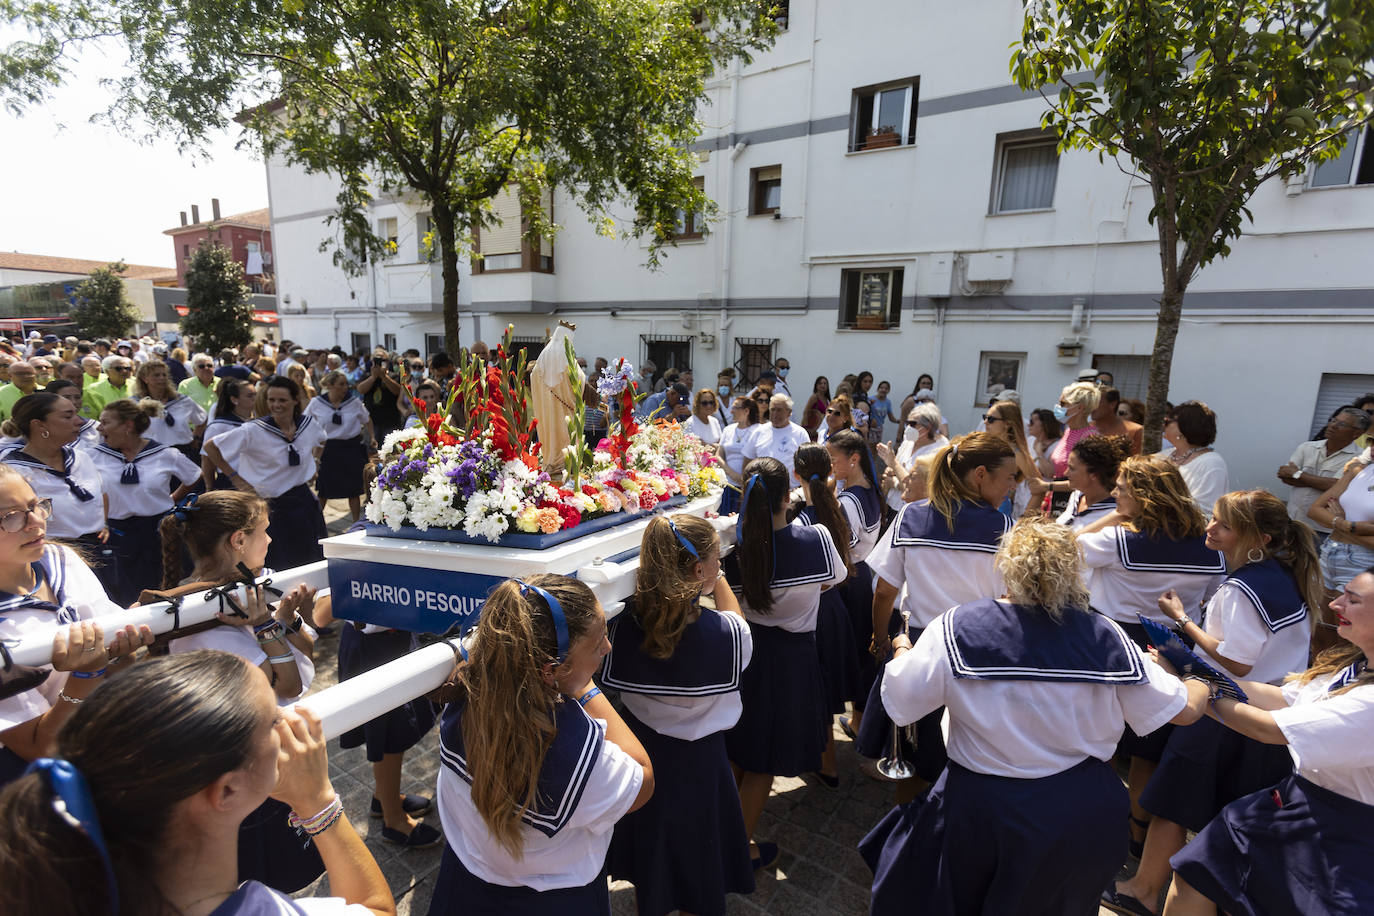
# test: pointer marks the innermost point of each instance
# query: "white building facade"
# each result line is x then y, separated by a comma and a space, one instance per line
887, 203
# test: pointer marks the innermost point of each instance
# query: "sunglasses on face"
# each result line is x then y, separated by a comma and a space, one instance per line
913, 424
990, 418
15, 520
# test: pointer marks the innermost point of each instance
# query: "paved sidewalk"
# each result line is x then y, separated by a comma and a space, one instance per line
818, 870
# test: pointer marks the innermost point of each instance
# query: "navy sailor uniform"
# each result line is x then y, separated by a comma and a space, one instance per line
782, 729
1036, 707
941, 567
279, 470
345, 454
78, 596
687, 848
213, 430
586, 784
1127, 571
1303, 846
75, 491
139, 491
865, 513
835, 646
1260, 618
177, 425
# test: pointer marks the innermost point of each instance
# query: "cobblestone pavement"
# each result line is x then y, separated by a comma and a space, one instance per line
818, 870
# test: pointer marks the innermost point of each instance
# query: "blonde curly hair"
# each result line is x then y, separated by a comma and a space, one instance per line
1039, 562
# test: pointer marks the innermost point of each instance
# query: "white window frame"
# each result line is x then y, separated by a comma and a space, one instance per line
891, 316
389, 231
981, 392
1359, 148
1015, 141
912, 89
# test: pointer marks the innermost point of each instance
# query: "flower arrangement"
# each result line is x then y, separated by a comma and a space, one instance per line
486, 480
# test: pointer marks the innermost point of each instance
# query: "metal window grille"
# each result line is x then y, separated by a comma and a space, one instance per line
666, 351
752, 356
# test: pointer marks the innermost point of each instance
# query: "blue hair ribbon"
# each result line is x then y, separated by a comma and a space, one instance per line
560, 622
73, 803
686, 544
744, 503
183, 509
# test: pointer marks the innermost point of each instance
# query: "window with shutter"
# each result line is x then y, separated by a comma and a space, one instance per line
1337, 390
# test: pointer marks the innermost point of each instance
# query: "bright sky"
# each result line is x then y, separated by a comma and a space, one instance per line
81, 190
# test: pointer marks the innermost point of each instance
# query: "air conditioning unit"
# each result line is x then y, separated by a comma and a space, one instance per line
987, 273
935, 276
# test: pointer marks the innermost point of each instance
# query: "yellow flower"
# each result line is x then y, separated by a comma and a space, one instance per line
528, 520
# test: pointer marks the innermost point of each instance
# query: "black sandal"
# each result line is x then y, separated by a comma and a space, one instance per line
1118, 902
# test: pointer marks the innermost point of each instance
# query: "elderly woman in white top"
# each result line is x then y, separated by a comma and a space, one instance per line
703, 423
1191, 428
920, 436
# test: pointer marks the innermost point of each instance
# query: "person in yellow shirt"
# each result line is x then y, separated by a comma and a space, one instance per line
23, 380
201, 385
114, 386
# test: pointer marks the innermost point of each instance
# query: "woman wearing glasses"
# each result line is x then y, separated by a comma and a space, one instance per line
43, 584
46, 427
703, 422
1004, 419
138, 475
182, 421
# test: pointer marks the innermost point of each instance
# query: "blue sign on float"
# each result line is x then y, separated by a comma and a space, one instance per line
407, 597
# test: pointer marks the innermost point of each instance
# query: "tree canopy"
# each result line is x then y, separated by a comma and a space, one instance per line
101, 307
219, 305
1207, 100
446, 101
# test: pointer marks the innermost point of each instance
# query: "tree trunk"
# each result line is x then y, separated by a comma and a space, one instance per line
446, 229
1161, 363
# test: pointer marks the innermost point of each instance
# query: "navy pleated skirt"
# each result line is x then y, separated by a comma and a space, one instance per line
458, 892
975, 844
296, 526
687, 848
273, 853
927, 755
857, 592
402, 728
136, 545
341, 468
1205, 767
1296, 848
835, 648
781, 730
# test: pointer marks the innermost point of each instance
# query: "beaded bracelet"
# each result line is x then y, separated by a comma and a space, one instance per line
75, 701
316, 822
87, 674
268, 631
588, 696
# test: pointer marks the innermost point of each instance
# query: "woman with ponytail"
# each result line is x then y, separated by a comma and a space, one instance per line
941, 549
87, 436
857, 481
142, 479
1257, 626
155, 771
780, 573
834, 636
235, 401
537, 765
223, 531
1154, 541
677, 667
1303, 846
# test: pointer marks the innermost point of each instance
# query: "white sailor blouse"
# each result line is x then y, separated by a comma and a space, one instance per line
261, 454
142, 487
342, 422
75, 491
1128, 570
180, 417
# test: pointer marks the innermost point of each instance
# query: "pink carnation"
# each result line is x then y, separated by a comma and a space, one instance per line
647, 499
610, 500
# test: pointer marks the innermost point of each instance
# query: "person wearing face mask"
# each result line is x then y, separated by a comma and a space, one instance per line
782, 367
725, 385
1074, 411
920, 436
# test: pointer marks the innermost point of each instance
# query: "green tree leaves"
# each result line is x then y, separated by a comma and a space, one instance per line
1208, 100
442, 101
219, 303
102, 309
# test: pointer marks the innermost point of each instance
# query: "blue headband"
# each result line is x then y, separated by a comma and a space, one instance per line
686, 544
560, 622
72, 802
183, 509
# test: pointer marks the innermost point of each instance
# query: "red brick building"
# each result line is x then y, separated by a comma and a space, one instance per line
248, 236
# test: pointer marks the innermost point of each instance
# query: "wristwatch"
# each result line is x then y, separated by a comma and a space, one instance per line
1297, 475
1181, 624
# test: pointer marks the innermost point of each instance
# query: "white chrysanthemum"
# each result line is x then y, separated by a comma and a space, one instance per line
400, 438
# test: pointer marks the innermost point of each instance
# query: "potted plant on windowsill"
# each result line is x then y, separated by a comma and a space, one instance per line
870, 322
882, 136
